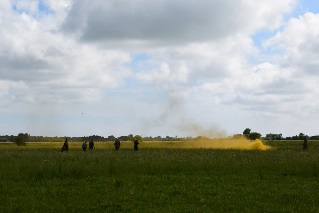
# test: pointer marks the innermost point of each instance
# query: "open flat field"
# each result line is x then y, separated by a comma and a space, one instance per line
160, 177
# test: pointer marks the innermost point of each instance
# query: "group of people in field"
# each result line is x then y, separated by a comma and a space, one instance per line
91, 145
117, 145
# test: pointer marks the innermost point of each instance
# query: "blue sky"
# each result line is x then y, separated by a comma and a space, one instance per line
159, 68
307, 6
36, 9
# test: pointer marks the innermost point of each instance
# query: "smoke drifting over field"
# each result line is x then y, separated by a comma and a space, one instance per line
193, 128
224, 143
175, 116
227, 143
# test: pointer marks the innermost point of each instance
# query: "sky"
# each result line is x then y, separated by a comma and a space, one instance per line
158, 67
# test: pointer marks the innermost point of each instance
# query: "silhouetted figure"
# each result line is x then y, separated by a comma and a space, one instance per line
136, 143
117, 144
65, 147
305, 143
91, 145
84, 146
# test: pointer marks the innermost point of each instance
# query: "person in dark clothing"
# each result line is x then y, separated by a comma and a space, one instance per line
305, 143
117, 144
91, 145
65, 146
136, 143
84, 146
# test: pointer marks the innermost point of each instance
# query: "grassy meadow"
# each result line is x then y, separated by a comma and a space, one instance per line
160, 177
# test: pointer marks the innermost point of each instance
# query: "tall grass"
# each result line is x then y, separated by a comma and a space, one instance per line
38, 178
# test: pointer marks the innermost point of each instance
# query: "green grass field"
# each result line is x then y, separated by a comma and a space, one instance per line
159, 178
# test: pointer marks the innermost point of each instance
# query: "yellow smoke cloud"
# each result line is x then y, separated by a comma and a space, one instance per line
227, 143
223, 143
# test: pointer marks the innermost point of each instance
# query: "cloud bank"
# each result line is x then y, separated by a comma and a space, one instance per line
231, 64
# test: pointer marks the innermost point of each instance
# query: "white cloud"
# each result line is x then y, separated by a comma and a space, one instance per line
299, 45
197, 52
33, 52
299, 41
172, 22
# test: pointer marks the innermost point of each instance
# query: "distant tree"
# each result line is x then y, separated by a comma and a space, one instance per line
296, 137
111, 138
124, 138
279, 137
273, 136
254, 136
301, 136
158, 138
130, 136
148, 138
24, 136
21, 139
201, 138
169, 138
246, 132
238, 136
138, 138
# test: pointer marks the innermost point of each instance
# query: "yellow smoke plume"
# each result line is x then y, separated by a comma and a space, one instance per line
223, 143
226, 143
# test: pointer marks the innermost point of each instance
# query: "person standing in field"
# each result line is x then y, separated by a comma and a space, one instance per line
117, 144
136, 143
65, 146
305, 143
84, 146
91, 145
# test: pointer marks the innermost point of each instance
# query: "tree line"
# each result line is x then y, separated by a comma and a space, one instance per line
22, 138
255, 135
